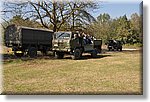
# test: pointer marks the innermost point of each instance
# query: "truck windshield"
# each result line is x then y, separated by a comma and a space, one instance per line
62, 35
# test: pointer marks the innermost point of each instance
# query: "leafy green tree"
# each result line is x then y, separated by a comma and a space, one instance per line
101, 27
136, 28
123, 29
103, 18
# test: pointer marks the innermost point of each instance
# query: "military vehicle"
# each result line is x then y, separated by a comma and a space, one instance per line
114, 45
73, 44
28, 40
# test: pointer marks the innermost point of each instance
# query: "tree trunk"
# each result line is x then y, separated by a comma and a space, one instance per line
54, 15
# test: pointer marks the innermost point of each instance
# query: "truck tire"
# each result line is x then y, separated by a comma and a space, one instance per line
94, 53
59, 55
77, 54
32, 52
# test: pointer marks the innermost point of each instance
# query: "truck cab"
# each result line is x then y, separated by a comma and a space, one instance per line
74, 44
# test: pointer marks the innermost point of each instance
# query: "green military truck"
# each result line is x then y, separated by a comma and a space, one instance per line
28, 40
114, 45
73, 44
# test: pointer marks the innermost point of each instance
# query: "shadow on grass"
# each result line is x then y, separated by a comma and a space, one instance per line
86, 57
9, 58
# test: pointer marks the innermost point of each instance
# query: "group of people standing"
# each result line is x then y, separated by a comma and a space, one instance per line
87, 39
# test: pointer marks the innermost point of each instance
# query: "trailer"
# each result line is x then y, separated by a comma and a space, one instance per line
26, 40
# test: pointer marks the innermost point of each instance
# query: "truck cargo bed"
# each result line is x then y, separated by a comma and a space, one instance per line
24, 35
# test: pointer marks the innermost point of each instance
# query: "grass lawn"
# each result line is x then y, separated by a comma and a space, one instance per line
110, 73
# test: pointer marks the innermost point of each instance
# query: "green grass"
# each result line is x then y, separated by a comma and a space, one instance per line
112, 73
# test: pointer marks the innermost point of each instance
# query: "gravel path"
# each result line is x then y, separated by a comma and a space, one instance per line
125, 49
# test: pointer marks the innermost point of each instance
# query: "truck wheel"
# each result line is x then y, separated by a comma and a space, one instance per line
32, 52
76, 54
59, 55
94, 54
18, 54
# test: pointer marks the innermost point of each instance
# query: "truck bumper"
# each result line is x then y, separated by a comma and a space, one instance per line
61, 50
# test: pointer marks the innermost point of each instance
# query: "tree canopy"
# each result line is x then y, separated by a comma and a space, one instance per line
74, 15
122, 28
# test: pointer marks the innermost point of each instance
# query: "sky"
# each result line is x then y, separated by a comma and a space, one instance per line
116, 9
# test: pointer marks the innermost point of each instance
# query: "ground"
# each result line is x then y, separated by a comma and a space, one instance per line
109, 73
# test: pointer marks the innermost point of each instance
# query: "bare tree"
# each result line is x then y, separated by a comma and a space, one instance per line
80, 15
13, 9
53, 14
